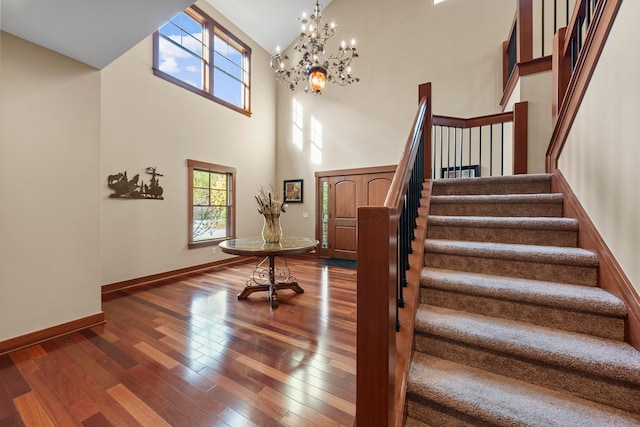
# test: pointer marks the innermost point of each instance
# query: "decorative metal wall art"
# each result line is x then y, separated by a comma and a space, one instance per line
125, 188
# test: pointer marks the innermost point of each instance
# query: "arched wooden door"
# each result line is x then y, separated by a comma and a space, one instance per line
339, 198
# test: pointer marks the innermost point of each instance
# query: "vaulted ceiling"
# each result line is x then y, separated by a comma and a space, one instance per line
97, 32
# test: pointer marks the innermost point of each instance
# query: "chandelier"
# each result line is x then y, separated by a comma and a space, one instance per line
314, 66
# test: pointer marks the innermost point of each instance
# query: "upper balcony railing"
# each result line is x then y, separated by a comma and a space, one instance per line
481, 146
532, 31
576, 49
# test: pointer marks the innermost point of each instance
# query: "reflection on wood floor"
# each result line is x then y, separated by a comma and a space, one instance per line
187, 352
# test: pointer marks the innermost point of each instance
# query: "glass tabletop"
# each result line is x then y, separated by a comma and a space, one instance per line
288, 245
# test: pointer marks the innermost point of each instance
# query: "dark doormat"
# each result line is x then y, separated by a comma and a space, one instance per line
335, 262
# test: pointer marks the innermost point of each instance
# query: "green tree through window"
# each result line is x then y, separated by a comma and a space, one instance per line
212, 204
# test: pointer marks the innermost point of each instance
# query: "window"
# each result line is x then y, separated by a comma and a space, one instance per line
194, 52
211, 203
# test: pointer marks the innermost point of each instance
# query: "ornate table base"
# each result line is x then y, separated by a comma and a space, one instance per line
265, 279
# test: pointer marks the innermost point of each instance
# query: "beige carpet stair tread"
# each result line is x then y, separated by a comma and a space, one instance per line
523, 223
539, 183
583, 353
528, 253
498, 199
502, 401
550, 294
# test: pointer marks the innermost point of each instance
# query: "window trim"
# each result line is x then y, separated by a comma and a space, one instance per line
231, 216
212, 27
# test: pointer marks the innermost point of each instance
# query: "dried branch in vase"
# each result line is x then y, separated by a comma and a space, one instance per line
270, 202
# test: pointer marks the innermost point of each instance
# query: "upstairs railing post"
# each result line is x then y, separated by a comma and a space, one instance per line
524, 30
520, 137
424, 91
561, 73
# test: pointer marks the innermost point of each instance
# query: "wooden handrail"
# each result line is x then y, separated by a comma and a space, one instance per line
376, 389
400, 182
570, 89
473, 122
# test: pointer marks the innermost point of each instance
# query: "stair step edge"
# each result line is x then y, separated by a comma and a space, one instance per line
523, 223
515, 252
596, 356
549, 294
505, 401
497, 180
499, 198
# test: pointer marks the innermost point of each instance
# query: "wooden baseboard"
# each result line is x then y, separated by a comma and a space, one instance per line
146, 280
611, 277
36, 337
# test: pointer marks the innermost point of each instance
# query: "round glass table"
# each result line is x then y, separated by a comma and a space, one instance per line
271, 272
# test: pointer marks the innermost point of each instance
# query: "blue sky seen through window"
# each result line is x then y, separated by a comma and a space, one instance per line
181, 51
183, 54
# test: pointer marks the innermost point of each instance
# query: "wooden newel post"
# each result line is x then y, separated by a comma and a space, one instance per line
376, 318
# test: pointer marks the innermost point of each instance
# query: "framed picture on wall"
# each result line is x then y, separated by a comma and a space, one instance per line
293, 190
471, 171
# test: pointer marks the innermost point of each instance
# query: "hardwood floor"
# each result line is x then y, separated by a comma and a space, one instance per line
187, 352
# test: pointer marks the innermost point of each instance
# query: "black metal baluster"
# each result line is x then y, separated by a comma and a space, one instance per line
448, 150
461, 149
579, 33
542, 32
399, 297
455, 150
491, 150
469, 150
434, 149
502, 149
480, 152
441, 164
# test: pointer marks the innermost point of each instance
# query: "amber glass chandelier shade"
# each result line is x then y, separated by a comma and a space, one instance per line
317, 79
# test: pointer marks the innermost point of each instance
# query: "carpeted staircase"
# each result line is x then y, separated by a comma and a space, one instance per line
512, 329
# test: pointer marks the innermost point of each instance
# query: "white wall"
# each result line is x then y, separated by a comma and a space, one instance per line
600, 158
536, 90
147, 121
456, 45
49, 205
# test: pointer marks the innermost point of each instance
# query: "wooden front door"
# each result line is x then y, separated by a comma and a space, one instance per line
339, 199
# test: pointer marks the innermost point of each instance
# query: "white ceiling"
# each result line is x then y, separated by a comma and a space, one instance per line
96, 32
270, 23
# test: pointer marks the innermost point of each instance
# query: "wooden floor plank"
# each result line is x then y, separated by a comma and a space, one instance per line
32, 411
136, 407
186, 351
